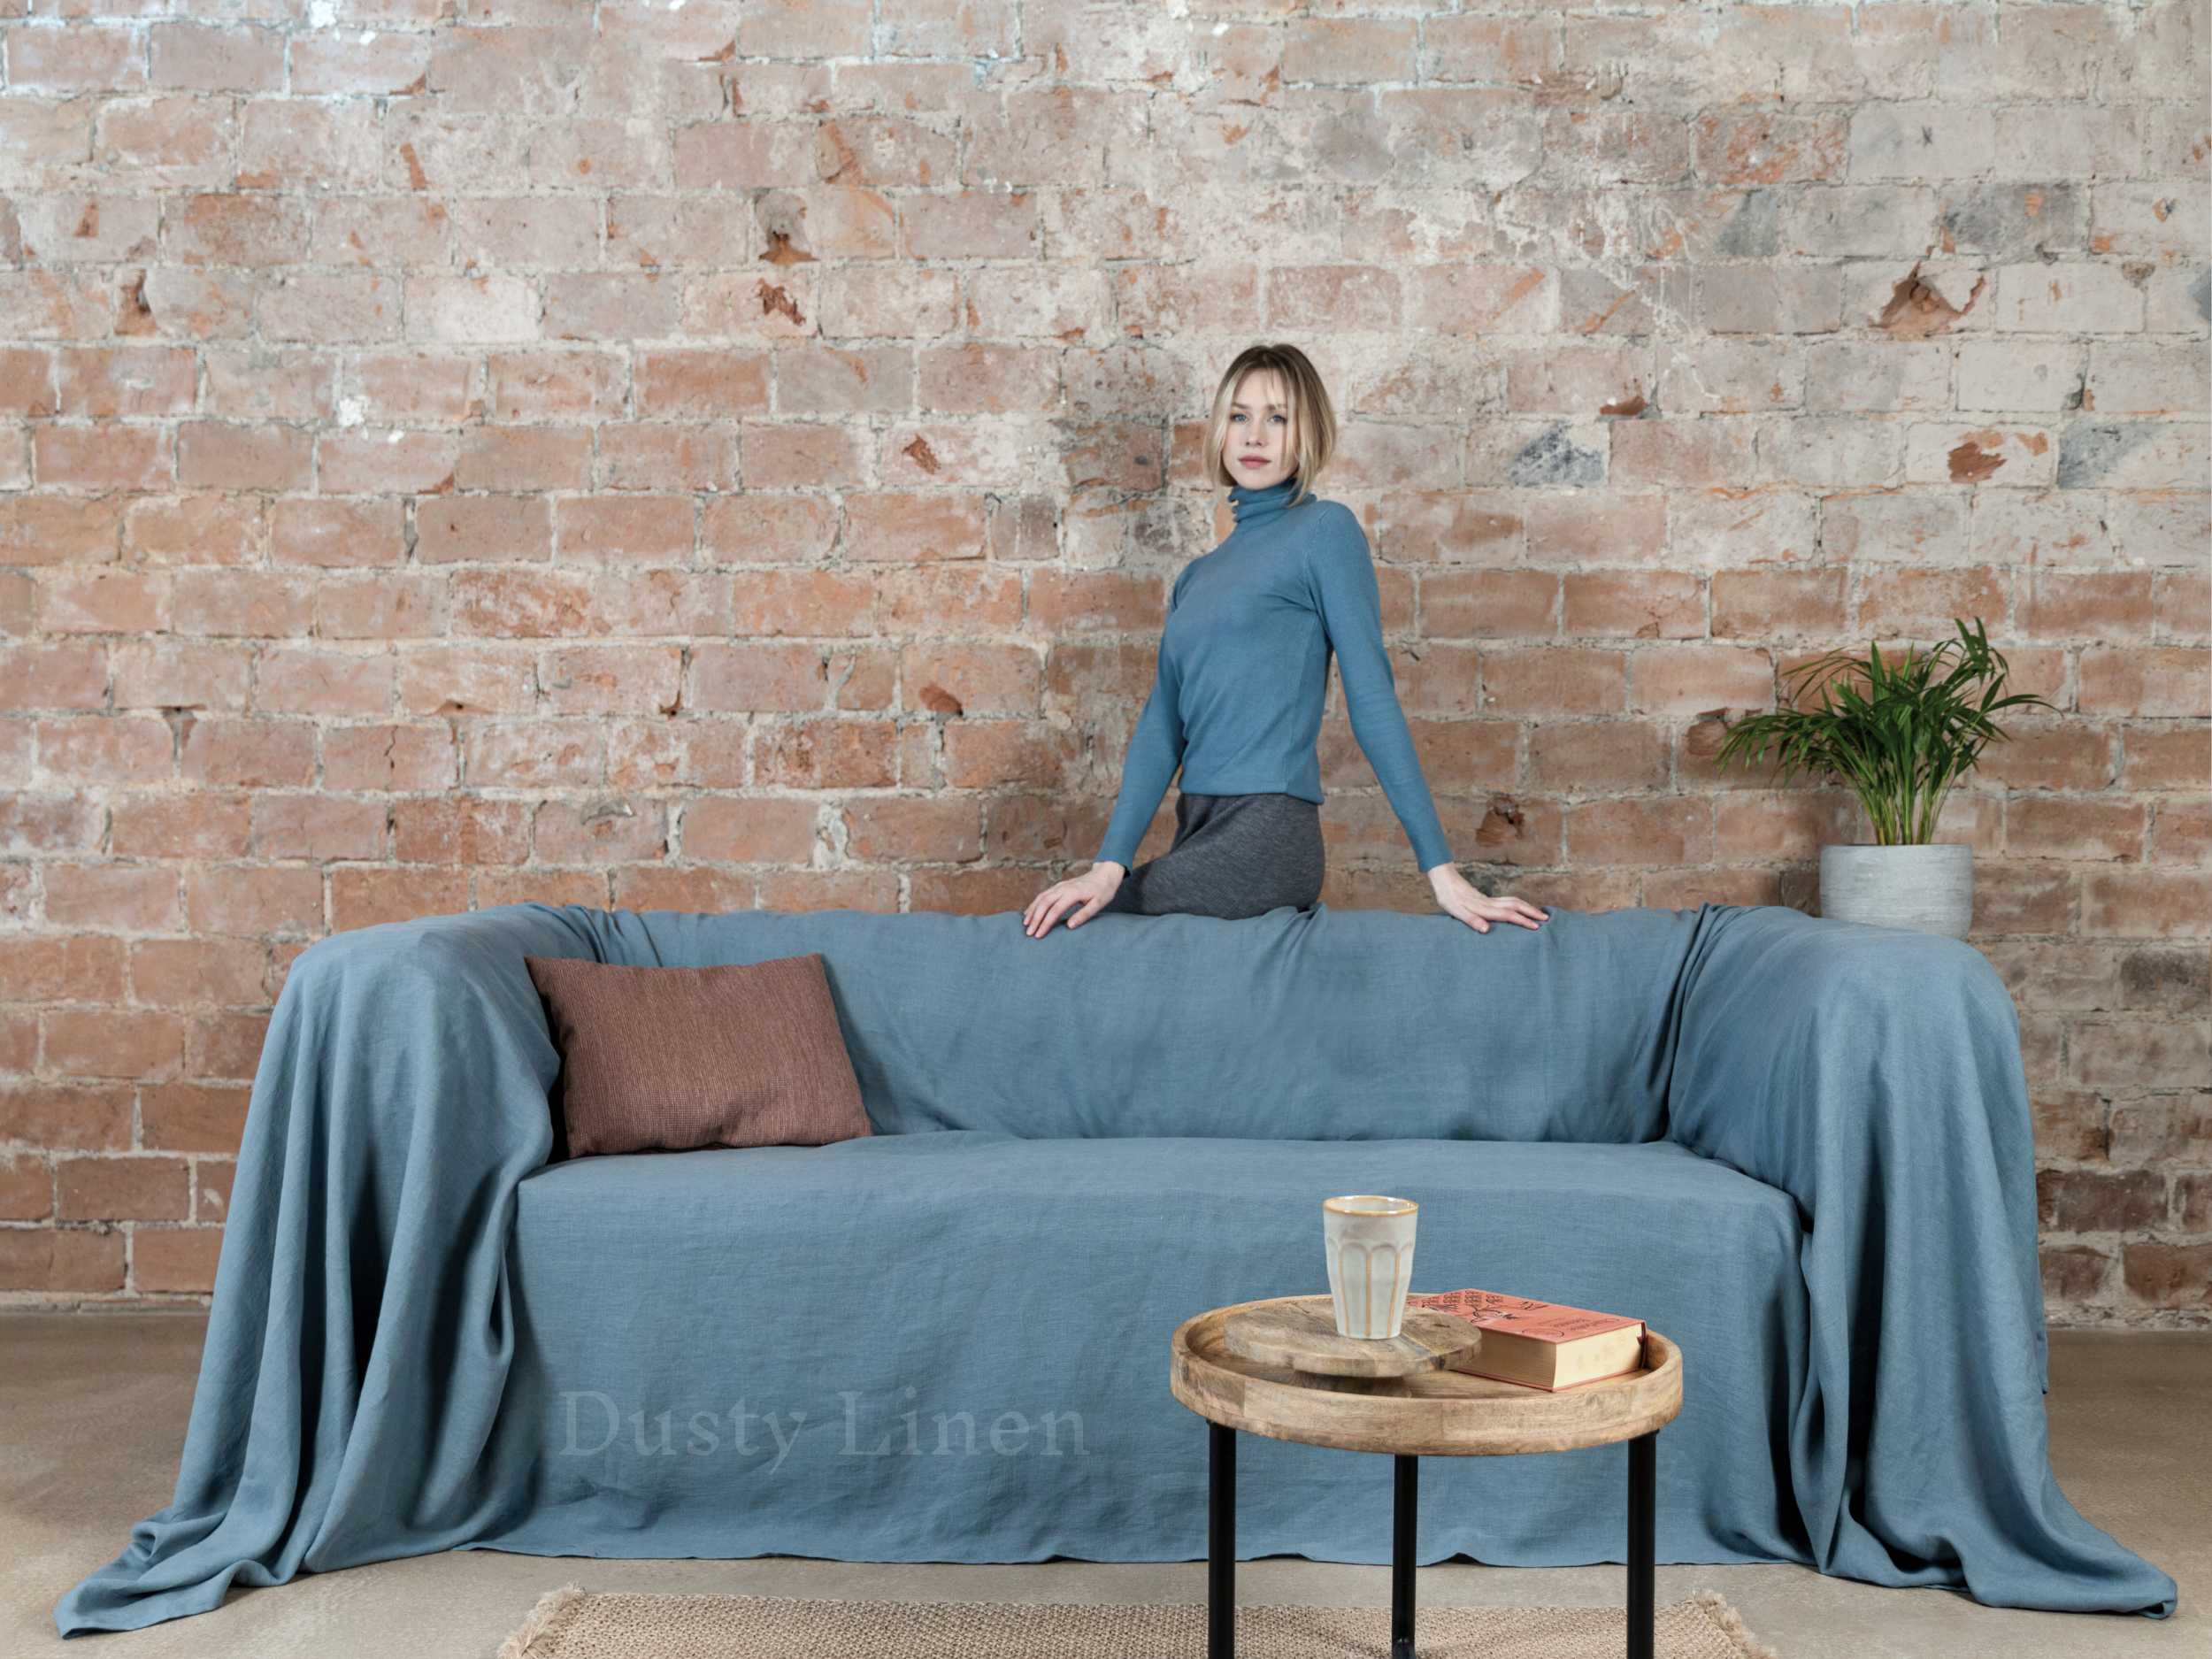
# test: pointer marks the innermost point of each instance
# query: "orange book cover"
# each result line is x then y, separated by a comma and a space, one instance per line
1531, 1320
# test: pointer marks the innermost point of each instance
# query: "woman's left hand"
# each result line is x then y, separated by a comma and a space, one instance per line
1460, 898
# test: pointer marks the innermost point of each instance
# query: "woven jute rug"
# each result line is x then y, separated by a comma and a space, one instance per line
569, 1623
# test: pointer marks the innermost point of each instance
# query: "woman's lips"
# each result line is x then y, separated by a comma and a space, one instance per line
1254, 460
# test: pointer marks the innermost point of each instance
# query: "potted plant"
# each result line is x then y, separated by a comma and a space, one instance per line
1899, 732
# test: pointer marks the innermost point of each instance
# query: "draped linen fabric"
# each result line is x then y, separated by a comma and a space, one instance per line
1800, 1148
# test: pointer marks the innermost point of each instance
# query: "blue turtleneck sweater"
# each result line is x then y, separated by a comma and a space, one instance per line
1244, 666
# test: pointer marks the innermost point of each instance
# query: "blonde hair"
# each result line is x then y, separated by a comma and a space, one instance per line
1312, 416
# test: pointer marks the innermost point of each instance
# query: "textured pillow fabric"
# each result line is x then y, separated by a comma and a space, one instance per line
669, 1059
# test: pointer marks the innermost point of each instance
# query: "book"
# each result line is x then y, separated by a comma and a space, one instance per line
1542, 1344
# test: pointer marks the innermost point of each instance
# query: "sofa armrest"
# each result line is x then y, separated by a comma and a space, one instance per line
358, 1344
1875, 1076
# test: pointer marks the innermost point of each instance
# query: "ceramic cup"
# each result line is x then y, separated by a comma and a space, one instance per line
1370, 1241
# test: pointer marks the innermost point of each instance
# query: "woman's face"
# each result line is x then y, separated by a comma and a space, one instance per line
1257, 449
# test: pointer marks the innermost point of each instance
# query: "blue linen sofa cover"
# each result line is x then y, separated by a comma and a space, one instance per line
1801, 1147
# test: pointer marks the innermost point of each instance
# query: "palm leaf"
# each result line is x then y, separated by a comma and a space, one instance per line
1899, 732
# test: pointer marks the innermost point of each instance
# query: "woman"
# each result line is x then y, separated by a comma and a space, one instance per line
1244, 665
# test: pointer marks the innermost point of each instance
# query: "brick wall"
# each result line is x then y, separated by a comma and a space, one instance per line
711, 455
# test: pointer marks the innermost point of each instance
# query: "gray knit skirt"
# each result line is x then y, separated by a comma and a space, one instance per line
1234, 856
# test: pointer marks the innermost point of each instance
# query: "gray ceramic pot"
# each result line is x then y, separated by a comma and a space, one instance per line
1928, 889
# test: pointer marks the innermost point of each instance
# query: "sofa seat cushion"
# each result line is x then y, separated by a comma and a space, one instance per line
953, 1347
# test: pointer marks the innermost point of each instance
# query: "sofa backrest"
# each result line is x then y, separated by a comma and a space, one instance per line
1301, 1025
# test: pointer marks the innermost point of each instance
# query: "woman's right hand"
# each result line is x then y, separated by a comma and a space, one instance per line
1092, 891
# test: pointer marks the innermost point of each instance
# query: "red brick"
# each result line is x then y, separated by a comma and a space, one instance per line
389, 757
225, 1045
244, 899
525, 459
1764, 147
611, 830
322, 682
196, 530
461, 829
124, 898
1686, 889
58, 530
330, 61
109, 602
2020, 898
1589, 527
1777, 604
73, 1262
374, 462
1552, 681
702, 384
2145, 904
27, 383
317, 827
1009, 753
2163, 757
79, 59
54, 969
103, 458
487, 528
2171, 680
756, 528
661, 603
884, 527
1790, 827
122, 1189
337, 532
1911, 604
1439, 680
534, 754
254, 754
216, 455
112, 1042
826, 754
787, 454
197, 826
2168, 1275
2100, 1201
660, 888
829, 890
1640, 604
1662, 831
2082, 830
1687, 680
611, 679
504, 603
816, 603
384, 606
176, 1259
26, 1187
53, 677
646, 528
665, 455
556, 385
730, 830
976, 678
660, 753
203, 57
477, 680
587, 887
752, 679
100, 381
989, 380
1597, 757
67, 1117
365, 898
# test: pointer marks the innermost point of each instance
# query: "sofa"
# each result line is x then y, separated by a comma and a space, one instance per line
1800, 1148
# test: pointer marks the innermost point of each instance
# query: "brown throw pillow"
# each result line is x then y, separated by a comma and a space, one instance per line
669, 1059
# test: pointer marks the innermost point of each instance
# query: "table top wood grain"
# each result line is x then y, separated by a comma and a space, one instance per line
1426, 1413
1300, 1333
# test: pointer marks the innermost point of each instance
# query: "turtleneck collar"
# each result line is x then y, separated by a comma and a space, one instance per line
1255, 507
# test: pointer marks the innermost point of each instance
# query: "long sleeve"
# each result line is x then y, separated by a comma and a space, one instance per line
1351, 609
1156, 749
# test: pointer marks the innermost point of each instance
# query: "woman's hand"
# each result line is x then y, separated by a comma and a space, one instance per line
1458, 897
1092, 890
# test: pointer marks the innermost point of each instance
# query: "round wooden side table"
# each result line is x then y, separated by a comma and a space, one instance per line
1234, 1368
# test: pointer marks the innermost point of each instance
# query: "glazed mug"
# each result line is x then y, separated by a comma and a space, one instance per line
1370, 1242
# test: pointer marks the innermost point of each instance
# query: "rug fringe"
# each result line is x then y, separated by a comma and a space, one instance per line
552, 1608
1731, 1622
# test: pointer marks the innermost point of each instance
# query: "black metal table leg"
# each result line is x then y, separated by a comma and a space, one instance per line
1643, 1543
1404, 1529
1221, 1542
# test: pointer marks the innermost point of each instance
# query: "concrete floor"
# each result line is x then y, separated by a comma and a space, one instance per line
93, 1410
